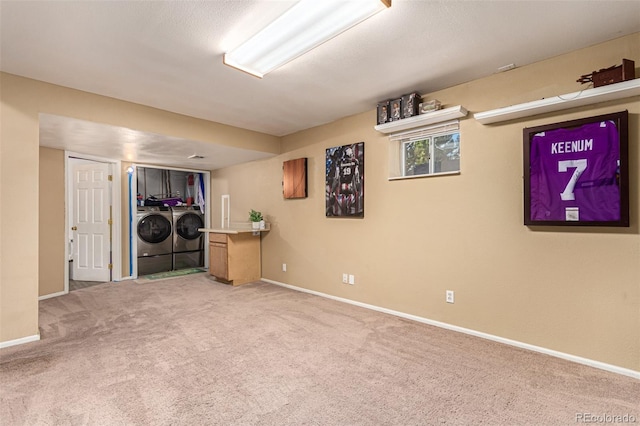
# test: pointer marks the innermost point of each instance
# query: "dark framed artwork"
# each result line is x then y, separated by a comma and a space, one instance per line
344, 182
576, 173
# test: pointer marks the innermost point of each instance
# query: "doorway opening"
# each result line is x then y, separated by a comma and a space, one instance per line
92, 232
167, 207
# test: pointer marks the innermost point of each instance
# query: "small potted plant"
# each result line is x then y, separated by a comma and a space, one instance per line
256, 219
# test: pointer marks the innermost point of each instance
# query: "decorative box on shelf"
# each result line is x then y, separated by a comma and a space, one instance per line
399, 108
623, 72
614, 74
395, 109
411, 104
383, 112
429, 106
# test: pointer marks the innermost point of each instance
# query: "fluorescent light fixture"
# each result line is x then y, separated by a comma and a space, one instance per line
306, 25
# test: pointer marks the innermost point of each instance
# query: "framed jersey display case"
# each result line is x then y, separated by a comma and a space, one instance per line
344, 181
576, 173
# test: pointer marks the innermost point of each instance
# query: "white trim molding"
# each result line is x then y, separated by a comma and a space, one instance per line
422, 120
20, 341
580, 360
50, 295
115, 170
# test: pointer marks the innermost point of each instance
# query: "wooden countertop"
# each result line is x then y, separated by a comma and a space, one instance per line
240, 229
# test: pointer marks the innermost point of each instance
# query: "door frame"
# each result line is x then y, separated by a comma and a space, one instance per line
133, 203
114, 202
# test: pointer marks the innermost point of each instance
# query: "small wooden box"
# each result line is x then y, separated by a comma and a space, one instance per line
623, 72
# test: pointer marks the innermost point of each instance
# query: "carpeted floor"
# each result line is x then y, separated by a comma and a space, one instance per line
172, 274
192, 351
77, 285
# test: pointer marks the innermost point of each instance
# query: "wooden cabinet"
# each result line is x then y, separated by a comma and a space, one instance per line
234, 258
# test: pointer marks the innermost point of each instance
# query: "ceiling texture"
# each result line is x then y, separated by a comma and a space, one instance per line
168, 55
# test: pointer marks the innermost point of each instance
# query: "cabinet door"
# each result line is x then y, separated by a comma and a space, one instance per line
243, 257
218, 266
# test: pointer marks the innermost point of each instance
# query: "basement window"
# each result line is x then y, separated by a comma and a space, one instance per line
428, 151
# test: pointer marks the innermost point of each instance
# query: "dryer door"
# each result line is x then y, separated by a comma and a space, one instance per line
154, 228
186, 236
187, 226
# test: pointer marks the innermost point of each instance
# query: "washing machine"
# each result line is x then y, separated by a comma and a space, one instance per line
188, 242
155, 239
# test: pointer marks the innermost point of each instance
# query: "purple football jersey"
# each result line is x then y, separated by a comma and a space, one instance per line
574, 174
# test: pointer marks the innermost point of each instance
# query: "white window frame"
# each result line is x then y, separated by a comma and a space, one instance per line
397, 142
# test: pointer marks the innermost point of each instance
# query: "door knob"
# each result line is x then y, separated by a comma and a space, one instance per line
74, 228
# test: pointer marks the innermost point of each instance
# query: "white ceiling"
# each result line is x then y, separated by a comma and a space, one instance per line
168, 55
118, 143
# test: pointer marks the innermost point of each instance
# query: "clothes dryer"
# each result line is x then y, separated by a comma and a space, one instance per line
188, 242
155, 239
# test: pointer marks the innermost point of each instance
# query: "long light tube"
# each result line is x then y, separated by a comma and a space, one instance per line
306, 25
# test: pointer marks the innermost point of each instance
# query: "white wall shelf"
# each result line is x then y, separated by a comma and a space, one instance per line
421, 120
624, 89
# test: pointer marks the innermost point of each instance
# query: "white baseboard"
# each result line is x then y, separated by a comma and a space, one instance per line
49, 296
20, 341
62, 293
129, 278
546, 351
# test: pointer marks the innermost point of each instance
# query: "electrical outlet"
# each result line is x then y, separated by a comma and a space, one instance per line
284, 267
352, 279
450, 296
345, 278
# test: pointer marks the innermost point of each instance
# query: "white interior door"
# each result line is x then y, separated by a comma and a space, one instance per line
90, 221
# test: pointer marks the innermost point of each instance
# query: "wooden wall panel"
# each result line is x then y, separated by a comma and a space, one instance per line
294, 181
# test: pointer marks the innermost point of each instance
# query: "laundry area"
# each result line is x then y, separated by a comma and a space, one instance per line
170, 210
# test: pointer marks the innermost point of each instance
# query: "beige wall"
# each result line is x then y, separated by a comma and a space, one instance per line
51, 219
18, 226
575, 291
29, 254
